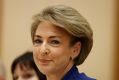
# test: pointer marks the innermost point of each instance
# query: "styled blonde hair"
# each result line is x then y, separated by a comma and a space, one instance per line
71, 21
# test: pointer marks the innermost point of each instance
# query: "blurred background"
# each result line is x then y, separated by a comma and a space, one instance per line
103, 15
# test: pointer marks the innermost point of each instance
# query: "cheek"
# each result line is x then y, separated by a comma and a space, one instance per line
33, 78
35, 54
35, 51
59, 52
56, 52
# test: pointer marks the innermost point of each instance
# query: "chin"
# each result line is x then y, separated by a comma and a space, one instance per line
47, 70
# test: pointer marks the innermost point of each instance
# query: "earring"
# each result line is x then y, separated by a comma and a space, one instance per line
71, 58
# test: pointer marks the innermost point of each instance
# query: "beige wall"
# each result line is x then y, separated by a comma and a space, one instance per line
117, 44
1, 8
100, 13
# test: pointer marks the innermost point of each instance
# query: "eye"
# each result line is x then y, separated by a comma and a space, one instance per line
37, 41
26, 76
55, 42
15, 77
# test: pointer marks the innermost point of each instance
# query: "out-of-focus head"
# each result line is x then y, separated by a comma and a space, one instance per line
2, 71
24, 68
72, 22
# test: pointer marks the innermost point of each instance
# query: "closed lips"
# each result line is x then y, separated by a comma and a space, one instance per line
44, 60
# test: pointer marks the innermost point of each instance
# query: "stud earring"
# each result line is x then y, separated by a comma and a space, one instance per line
71, 58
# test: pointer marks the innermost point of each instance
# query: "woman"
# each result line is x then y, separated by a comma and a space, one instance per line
62, 39
24, 68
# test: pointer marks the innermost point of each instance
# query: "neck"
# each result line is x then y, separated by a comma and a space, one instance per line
60, 74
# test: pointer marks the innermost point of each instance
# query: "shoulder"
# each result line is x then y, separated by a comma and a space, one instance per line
83, 76
74, 74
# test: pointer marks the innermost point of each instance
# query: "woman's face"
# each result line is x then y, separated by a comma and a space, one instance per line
24, 73
56, 42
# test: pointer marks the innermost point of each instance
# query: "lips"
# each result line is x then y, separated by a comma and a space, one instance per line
44, 61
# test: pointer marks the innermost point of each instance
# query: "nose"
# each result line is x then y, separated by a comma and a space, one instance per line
20, 78
44, 50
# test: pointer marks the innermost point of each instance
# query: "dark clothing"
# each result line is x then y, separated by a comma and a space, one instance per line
73, 74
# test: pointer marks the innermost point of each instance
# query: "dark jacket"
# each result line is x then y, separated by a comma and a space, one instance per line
73, 74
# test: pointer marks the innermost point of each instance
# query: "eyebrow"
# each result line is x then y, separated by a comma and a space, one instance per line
38, 36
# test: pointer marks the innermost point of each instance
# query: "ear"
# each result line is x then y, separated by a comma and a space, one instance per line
76, 49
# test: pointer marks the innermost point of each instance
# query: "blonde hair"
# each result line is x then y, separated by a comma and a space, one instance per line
71, 21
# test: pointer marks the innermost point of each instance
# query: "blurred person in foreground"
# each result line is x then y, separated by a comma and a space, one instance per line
2, 71
24, 68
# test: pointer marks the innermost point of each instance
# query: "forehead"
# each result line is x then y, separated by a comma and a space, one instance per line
46, 28
23, 69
